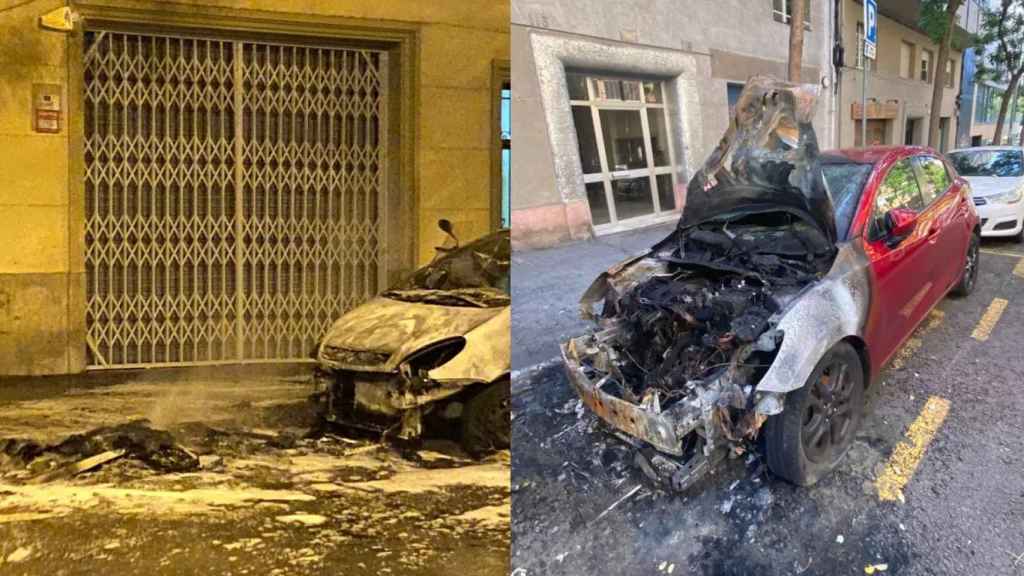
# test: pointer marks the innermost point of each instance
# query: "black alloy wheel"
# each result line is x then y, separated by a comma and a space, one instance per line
819, 421
827, 421
970, 274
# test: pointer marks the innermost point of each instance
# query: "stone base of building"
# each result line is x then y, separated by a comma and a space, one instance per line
550, 225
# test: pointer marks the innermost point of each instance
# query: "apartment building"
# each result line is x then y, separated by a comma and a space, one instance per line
900, 79
634, 100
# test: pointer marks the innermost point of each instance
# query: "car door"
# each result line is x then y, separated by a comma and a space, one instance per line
946, 240
901, 270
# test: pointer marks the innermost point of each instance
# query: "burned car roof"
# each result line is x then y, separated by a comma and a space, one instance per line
768, 160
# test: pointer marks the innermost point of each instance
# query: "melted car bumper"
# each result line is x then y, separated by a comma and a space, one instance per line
662, 430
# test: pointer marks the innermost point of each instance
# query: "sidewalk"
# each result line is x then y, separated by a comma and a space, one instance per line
547, 285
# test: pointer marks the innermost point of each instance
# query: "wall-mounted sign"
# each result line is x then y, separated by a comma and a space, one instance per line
870, 28
46, 108
876, 110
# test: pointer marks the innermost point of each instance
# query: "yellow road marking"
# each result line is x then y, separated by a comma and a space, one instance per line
1018, 270
907, 456
914, 343
1001, 253
989, 319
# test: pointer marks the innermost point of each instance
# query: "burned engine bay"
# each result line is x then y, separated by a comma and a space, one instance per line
704, 314
687, 331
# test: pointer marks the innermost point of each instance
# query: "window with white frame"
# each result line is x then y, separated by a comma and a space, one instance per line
623, 132
950, 73
782, 11
926, 66
906, 60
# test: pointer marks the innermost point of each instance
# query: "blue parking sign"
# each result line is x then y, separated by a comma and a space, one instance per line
870, 27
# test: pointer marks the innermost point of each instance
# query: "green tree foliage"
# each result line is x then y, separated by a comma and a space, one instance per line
1002, 34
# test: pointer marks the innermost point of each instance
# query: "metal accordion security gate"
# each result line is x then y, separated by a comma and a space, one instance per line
234, 195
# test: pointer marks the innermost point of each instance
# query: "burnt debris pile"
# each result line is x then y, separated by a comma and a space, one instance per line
722, 285
135, 440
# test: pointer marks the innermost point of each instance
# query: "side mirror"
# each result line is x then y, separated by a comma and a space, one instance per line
451, 243
445, 226
899, 223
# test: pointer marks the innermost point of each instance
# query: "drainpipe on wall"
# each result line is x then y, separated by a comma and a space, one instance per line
838, 61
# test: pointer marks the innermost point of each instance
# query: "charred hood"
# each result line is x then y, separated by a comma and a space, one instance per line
767, 161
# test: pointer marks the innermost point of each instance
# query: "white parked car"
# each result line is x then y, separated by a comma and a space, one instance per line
996, 175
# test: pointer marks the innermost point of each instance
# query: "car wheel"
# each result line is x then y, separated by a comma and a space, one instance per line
487, 419
1019, 236
819, 421
969, 276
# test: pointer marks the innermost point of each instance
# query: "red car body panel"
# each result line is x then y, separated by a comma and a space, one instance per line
908, 280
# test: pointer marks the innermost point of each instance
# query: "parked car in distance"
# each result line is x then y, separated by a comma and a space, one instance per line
996, 174
792, 278
435, 345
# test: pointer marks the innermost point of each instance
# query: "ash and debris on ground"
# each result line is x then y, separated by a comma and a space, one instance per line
248, 487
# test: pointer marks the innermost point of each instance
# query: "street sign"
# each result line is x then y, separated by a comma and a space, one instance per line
870, 28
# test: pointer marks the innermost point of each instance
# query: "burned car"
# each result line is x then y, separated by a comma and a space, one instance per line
791, 279
436, 344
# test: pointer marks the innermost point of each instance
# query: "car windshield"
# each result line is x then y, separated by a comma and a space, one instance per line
476, 274
845, 182
1005, 163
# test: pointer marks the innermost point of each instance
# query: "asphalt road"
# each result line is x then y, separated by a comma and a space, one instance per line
547, 284
577, 509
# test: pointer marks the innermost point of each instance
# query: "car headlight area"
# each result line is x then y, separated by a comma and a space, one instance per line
1008, 197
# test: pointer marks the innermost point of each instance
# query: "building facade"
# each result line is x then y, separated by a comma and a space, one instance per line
981, 98
900, 79
633, 101
214, 182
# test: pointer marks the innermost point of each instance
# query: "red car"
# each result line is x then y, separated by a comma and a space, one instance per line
791, 280
917, 224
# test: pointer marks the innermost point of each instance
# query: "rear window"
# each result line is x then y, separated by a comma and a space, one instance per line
1005, 163
845, 184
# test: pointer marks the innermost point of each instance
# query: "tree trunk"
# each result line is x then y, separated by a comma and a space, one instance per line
939, 77
997, 138
796, 38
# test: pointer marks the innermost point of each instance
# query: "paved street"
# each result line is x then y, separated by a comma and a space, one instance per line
580, 508
547, 284
265, 500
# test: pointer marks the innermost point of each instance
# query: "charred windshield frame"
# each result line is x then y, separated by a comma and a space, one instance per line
998, 163
481, 264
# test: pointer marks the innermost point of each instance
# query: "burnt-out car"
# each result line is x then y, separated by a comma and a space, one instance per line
792, 277
436, 344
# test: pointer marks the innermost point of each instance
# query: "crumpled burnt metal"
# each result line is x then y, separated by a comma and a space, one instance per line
687, 332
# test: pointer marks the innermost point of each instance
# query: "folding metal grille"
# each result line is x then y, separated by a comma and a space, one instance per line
233, 196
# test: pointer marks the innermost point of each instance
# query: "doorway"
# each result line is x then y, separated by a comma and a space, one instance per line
501, 151
626, 151
876, 130
910, 131
228, 219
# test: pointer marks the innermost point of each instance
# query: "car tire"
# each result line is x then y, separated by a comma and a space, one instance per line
969, 275
1019, 236
803, 443
487, 421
